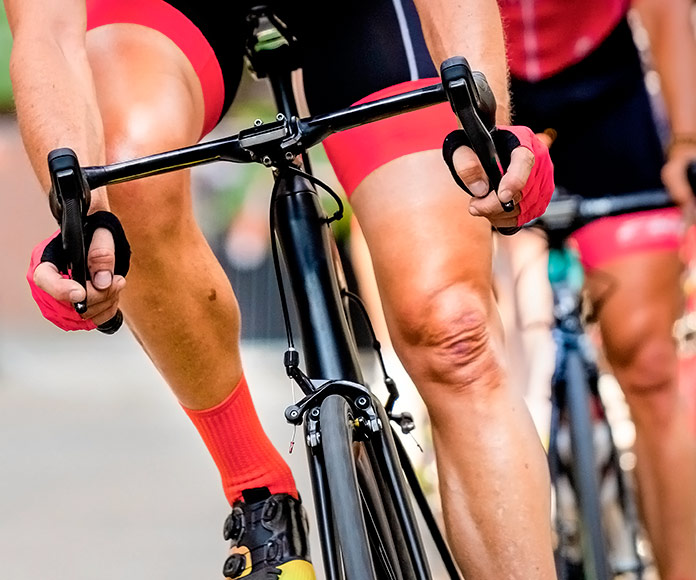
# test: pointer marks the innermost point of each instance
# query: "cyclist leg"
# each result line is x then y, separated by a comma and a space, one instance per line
420, 450
151, 100
432, 262
179, 303
639, 298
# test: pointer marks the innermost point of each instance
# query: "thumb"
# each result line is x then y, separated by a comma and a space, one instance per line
101, 258
50, 280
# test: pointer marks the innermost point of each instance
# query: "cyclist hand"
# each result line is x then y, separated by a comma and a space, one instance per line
108, 259
528, 178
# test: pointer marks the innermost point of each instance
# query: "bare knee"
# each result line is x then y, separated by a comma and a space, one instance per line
150, 102
448, 345
153, 207
647, 373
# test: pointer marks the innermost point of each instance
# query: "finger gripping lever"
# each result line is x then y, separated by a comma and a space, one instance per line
69, 200
474, 104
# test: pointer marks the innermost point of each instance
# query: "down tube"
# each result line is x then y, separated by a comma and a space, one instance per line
306, 241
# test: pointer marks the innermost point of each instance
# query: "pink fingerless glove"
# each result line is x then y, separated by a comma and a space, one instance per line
536, 194
60, 313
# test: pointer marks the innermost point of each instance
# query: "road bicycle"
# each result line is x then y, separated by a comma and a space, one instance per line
597, 525
363, 484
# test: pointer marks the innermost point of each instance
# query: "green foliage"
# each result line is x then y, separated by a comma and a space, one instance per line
6, 102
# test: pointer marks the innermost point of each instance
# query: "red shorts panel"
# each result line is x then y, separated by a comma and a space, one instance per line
609, 238
357, 152
164, 18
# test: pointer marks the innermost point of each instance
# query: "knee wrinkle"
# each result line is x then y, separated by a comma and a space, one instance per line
448, 338
648, 375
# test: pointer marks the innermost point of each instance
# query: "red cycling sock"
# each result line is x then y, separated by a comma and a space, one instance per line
244, 455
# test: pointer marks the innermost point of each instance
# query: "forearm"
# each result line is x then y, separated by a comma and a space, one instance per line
471, 29
56, 102
673, 45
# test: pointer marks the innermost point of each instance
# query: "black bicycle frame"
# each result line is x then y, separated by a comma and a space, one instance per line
305, 238
314, 272
565, 215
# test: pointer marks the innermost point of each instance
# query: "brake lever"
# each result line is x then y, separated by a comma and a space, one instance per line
69, 202
474, 104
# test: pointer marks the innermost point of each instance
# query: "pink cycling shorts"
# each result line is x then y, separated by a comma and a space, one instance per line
356, 152
611, 238
160, 16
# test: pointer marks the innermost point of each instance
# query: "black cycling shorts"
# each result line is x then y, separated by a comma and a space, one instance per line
347, 50
607, 139
607, 135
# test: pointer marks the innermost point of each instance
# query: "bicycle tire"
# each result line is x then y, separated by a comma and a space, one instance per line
620, 518
584, 470
561, 558
362, 523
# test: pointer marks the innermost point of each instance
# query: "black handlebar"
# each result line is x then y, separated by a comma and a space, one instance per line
273, 144
568, 211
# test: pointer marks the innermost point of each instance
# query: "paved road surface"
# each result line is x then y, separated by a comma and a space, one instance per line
105, 477
102, 474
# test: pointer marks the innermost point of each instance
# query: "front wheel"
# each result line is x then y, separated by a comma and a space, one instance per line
366, 532
584, 469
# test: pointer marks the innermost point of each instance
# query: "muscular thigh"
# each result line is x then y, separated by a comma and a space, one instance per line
142, 81
151, 101
174, 44
421, 237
